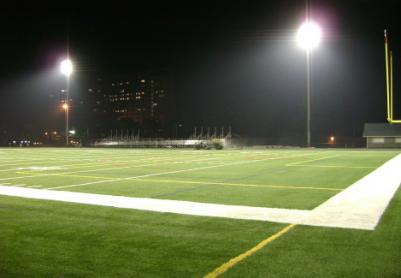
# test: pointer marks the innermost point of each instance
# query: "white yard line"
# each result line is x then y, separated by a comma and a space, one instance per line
173, 172
107, 169
137, 166
360, 206
94, 163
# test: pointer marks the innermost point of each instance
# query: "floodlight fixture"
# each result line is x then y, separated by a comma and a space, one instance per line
309, 35
66, 67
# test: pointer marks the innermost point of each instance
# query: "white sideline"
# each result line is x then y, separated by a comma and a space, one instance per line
360, 206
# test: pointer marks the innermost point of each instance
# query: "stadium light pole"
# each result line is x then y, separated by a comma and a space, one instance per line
308, 38
66, 69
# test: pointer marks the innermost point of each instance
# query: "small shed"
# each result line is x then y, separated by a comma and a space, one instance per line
382, 135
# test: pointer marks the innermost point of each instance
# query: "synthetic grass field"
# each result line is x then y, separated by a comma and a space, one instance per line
56, 239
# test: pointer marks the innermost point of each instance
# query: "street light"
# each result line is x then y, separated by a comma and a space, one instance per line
308, 37
66, 68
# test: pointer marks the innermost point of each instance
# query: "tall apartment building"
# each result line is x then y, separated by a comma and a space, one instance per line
146, 97
144, 100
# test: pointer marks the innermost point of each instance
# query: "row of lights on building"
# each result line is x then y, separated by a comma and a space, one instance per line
126, 83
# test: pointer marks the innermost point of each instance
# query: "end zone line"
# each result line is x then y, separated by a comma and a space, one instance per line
226, 266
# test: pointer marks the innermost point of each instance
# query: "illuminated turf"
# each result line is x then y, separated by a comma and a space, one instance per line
44, 238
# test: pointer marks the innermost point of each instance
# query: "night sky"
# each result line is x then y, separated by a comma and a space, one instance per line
234, 62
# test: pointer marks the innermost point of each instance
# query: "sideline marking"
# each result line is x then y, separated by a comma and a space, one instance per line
226, 266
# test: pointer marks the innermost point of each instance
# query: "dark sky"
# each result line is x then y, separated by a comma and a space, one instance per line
235, 62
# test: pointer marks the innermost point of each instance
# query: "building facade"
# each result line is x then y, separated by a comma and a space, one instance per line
144, 100
382, 135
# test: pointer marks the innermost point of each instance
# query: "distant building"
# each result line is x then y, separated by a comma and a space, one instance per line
144, 97
382, 135
143, 100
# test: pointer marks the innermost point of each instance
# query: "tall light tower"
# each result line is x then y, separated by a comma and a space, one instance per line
66, 68
308, 37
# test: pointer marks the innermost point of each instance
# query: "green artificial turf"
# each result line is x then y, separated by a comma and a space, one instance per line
264, 178
55, 239
51, 239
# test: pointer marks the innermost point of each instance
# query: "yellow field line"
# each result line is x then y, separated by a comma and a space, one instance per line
162, 173
242, 184
41, 174
311, 160
226, 266
24, 173
70, 175
332, 166
83, 176
212, 183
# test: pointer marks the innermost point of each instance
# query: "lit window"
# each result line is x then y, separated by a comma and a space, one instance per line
378, 140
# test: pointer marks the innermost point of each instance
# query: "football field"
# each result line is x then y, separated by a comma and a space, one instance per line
193, 213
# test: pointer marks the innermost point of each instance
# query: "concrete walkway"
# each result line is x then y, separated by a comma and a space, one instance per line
360, 206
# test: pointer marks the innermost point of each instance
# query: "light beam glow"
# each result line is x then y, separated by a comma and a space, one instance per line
65, 106
309, 35
66, 67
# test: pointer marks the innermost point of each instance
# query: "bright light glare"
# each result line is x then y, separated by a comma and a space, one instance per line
308, 35
332, 138
72, 131
66, 67
65, 106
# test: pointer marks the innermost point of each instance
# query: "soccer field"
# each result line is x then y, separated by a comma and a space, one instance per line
49, 238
